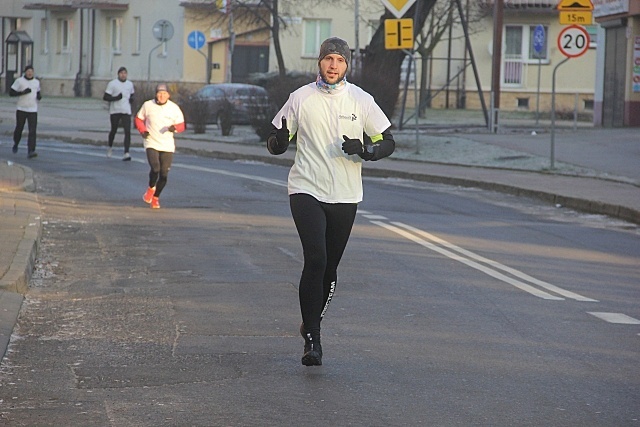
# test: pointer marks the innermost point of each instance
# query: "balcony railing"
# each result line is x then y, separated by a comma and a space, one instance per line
523, 4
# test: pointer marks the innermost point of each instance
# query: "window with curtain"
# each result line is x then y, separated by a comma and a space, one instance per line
138, 26
519, 43
116, 35
315, 32
592, 30
64, 36
44, 36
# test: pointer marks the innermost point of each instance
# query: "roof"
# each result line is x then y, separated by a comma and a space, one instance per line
19, 37
78, 4
524, 4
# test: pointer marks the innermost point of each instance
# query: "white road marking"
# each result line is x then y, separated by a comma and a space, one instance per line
497, 265
369, 216
277, 182
516, 283
395, 228
615, 318
234, 174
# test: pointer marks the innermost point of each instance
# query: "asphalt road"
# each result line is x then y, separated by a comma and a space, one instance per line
454, 306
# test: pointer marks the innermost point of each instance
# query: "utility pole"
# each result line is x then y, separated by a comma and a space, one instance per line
356, 51
498, 10
232, 42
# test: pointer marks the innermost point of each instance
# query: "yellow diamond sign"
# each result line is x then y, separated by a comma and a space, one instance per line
398, 7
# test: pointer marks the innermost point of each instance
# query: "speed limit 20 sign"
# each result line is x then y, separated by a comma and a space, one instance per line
573, 41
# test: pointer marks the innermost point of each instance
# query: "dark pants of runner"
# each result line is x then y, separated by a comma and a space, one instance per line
160, 163
32, 120
324, 230
125, 119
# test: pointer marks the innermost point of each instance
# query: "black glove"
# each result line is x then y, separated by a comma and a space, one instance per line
145, 134
352, 146
26, 91
282, 134
172, 128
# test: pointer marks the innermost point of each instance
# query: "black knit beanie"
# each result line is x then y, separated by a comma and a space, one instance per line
335, 45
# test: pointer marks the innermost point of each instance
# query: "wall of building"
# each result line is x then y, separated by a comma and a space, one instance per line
146, 60
632, 98
342, 17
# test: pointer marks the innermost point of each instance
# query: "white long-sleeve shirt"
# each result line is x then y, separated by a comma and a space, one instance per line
28, 102
157, 119
320, 119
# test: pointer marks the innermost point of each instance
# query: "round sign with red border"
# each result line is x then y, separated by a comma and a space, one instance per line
573, 41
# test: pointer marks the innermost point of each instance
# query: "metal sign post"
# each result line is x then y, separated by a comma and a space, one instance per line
573, 41
196, 41
162, 31
538, 47
553, 114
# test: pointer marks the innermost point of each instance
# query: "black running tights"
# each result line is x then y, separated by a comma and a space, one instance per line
324, 230
115, 120
32, 120
160, 163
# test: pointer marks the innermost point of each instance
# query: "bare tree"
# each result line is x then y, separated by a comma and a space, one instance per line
381, 68
265, 14
254, 14
443, 19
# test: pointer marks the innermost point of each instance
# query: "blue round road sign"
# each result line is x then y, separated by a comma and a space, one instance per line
538, 39
195, 39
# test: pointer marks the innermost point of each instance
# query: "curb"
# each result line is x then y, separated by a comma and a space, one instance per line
576, 203
10, 305
15, 282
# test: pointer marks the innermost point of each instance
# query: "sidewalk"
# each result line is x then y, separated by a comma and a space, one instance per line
595, 170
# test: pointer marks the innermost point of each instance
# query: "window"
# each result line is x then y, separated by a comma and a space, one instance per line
403, 72
138, 41
44, 36
519, 42
523, 103
315, 32
64, 36
519, 51
513, 55
593, 35
587, 104
116, 35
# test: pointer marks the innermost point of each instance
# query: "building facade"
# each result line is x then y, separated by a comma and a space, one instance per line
617, 93
76, 47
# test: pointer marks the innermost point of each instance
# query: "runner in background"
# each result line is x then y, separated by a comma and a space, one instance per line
119, 94
157, 121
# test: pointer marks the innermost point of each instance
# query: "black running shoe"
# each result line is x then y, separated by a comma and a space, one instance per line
32, 154
15, 148
314, 356
307, 341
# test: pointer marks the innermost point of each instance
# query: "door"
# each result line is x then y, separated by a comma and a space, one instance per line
614, 77
247, 60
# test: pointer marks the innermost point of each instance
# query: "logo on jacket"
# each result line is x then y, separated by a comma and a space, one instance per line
351, 117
